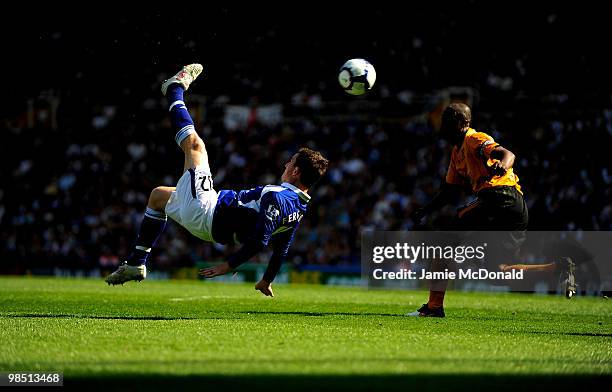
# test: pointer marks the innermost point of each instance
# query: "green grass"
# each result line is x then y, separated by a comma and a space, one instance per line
173, 334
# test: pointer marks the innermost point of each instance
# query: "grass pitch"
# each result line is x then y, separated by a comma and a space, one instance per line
193, 334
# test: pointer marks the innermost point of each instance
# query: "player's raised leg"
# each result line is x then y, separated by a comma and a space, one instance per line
186, 136
154, 221
193, 203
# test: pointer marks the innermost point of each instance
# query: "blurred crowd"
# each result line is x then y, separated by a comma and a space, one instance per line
79, 162
76, 200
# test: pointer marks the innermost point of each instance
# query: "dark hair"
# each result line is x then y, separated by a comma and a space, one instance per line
312, 166
458, 114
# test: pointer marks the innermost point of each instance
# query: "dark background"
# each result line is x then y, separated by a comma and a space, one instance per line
563, 48
81, 104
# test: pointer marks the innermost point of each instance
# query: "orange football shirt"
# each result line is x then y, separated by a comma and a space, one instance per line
470, 163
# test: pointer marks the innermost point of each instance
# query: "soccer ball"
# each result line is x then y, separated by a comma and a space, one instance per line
357, 76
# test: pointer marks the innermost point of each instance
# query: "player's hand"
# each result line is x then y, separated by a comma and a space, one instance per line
265, 288
217, 270
498, 168
417, 215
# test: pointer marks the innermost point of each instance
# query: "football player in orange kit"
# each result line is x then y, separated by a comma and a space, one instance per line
483, 165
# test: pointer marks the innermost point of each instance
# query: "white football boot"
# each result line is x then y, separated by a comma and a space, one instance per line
184, 77
568, 277
125, 273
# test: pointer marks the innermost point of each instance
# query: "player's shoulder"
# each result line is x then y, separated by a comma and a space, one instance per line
273, 189
254, 192
285, 192
475, 140
275, 193
478, 135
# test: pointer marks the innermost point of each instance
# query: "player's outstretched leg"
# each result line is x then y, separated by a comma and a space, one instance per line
565, 265
151, 228
186, 136
568, 277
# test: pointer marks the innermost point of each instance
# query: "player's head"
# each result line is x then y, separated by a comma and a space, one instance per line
305, 168
456, 118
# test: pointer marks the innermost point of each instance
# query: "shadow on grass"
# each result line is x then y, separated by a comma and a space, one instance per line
81, 316
603, 335
146, 382
320, 314
489, 364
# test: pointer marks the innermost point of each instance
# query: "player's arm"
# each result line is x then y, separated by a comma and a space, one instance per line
450, 190
487, 148
281, 242
249, 249
504, 159
447, 193
267, 221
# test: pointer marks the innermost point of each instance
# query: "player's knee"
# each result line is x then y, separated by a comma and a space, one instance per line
158, 199
193, 143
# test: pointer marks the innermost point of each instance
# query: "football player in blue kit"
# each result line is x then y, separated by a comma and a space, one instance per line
262, 216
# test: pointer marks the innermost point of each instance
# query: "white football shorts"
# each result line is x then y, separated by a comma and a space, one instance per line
192, 204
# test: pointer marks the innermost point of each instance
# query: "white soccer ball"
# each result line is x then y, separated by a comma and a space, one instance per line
357, 76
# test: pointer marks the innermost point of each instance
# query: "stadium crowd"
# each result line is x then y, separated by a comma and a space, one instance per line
79, 162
